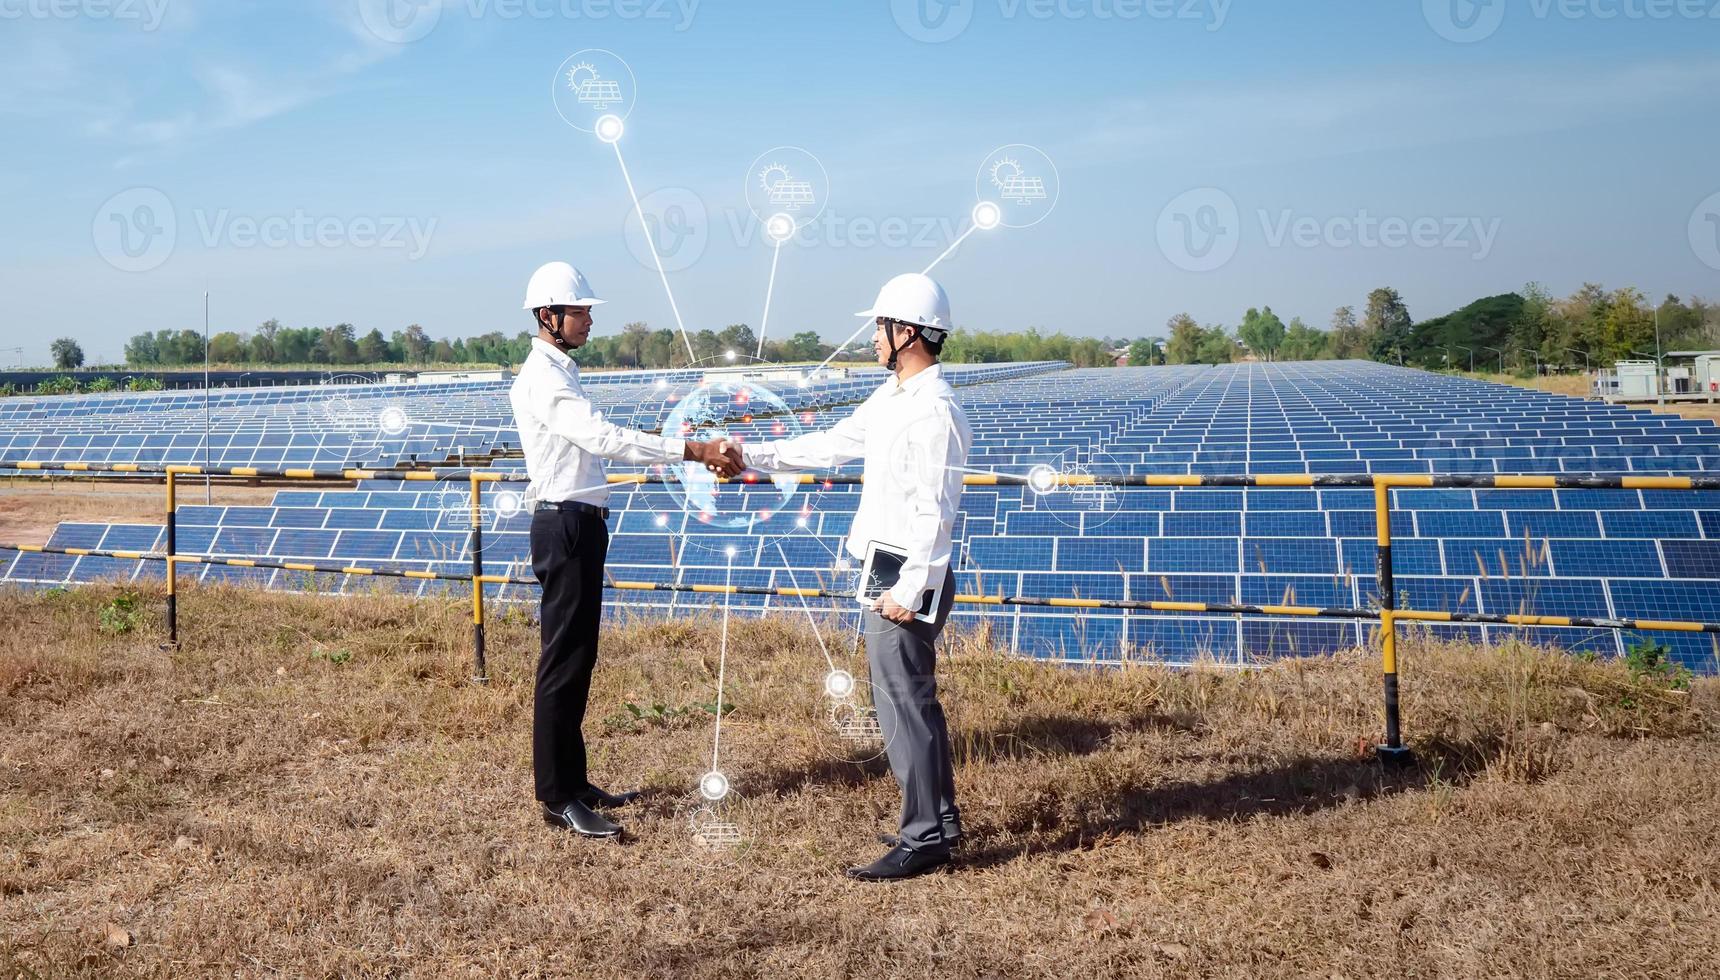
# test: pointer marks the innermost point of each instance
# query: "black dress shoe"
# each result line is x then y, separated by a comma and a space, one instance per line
599, 800
580, 819
901, 863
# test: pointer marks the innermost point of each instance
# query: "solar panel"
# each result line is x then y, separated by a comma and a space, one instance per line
1328, 417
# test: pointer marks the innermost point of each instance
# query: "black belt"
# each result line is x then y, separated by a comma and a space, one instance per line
576, 506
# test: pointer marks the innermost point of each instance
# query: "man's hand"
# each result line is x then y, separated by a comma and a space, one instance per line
719, 456
886, 607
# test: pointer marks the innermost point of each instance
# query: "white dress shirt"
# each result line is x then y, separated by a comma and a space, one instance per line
565, 440
914, 439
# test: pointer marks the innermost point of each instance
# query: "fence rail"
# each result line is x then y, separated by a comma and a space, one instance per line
1388, 616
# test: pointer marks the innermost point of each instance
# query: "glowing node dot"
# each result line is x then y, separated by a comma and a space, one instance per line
609, 128
662, 520
393, 420
839, 684
801, 521
662, 382
729, 354
779, 227
1042, 479
713, 786
508, 503
987, 215
730, 551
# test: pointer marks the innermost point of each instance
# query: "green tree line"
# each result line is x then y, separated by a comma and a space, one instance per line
1524, 331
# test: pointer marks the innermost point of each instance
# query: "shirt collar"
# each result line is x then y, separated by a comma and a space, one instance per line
918, 381
557, 356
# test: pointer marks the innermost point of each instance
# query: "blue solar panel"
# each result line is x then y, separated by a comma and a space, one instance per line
1606, 558
1105, 554
1192, 555
1649, 524
1690, 559
1552, 524
1332, 417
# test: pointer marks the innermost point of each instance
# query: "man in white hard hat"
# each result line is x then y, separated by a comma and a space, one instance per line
914, 439
565, 442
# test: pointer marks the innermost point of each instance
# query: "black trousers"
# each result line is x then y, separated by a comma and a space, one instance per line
568, 550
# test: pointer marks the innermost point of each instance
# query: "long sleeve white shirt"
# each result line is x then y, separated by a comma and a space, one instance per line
914, 439
565, 440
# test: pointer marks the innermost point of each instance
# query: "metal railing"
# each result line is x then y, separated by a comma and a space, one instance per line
1388, 615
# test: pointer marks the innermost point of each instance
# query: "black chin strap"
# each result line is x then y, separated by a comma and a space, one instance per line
890, 337
555, 331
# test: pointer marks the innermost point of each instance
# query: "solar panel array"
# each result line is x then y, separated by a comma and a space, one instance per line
1617, 553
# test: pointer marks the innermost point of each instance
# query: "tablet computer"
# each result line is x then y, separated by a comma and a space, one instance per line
881, 571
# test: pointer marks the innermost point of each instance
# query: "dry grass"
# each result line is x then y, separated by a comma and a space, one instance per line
311, 787
1577, 386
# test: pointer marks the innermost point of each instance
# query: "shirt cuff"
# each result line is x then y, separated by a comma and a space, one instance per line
676, 449
909, 600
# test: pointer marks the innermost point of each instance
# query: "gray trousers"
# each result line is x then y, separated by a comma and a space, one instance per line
904, 673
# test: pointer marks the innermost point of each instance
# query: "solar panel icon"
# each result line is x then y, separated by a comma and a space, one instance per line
783, 189
591, 88
599, 93
1015, 185
791, 194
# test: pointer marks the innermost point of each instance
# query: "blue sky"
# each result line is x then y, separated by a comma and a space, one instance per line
1557, 141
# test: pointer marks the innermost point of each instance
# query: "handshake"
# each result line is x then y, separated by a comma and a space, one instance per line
720, 456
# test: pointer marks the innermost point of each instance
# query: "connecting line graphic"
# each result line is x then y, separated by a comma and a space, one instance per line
722, 668
770, 287
645, 227
971, 228
816, 632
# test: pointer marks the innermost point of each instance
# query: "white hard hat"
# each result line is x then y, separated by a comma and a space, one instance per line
914, 298
559, 284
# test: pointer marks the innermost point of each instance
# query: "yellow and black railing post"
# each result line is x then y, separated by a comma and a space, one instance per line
1393, 751
480, 673
172, 563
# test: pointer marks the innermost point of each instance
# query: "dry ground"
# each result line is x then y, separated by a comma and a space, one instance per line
1577, 386
312, 787
31, 507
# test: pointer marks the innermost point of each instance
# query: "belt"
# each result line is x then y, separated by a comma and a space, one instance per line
574, 506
